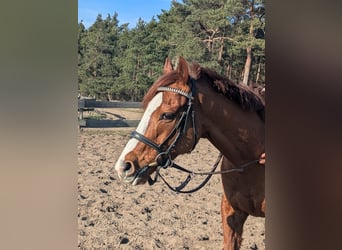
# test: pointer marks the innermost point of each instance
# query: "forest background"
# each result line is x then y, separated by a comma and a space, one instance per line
116, 62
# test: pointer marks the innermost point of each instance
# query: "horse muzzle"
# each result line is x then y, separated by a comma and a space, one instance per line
130, 174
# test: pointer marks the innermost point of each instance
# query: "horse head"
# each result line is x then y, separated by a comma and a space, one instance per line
167, 128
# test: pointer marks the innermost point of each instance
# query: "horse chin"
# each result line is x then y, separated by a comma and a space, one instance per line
139, 181
138, 178
127, 179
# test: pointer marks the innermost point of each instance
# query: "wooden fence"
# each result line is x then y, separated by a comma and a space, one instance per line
85, 105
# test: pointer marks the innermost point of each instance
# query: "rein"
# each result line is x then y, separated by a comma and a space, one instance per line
177, 131
191, 174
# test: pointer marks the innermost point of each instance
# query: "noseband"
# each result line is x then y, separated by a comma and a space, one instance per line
177, 131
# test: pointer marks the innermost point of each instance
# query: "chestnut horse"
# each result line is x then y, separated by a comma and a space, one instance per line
190, 103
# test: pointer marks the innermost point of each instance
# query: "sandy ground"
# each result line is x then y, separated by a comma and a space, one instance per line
113, 215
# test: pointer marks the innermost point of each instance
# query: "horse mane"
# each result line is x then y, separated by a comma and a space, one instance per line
242, 95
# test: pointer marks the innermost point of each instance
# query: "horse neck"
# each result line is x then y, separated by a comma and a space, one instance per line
237, 133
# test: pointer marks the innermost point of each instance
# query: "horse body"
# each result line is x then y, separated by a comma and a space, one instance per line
239, 135
244, 194
229, 116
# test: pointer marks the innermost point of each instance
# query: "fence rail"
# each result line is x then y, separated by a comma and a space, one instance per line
92, 105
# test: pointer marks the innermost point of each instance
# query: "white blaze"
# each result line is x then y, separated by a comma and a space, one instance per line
151, 107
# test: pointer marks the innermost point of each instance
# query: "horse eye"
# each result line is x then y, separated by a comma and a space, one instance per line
167, 116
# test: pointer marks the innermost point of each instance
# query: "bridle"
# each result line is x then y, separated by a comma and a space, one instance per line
163, 159
176, 132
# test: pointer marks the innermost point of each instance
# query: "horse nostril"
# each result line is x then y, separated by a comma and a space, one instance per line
128, 166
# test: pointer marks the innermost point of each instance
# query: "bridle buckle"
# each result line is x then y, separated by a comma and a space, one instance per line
163, 164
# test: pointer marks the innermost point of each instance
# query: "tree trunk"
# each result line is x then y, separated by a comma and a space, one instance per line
258, 73
229, 71
249, 53
220, 50
247, 66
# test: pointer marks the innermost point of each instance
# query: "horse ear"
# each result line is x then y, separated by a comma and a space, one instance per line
167, 66
182, 69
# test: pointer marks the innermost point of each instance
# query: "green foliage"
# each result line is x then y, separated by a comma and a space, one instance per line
115, 62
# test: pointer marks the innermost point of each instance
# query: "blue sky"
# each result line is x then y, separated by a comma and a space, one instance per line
128, 11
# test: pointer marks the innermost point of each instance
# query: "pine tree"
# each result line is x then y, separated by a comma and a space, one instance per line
116, 62
99, 66
248, 32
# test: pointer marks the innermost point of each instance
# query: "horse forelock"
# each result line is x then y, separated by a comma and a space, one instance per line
162, 81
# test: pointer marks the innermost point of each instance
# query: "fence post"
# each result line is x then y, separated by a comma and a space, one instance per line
92, 104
